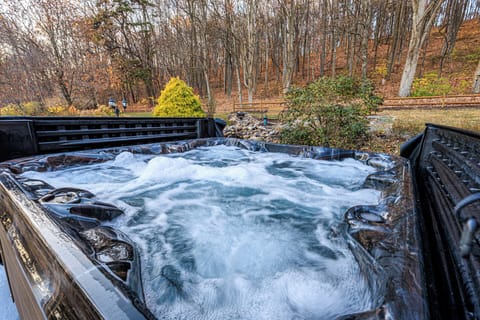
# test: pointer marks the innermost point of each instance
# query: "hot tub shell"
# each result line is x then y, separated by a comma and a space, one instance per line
52, 274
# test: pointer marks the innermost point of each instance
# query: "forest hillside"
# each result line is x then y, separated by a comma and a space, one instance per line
79, 53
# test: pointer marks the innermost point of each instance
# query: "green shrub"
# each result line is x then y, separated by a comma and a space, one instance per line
431, 85
178, 100
330, 112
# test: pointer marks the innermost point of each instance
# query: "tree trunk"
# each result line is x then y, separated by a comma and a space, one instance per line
63, 88
367, 17
422, 59
397, 34
204, 63
350, 52
249, 49
289, 35
377, 32
333, 49
454, 16
323, 41
150, 92
476, 79
409, 70
423, 17
229, 48
227, 74
239, 84
334, 55
265, 89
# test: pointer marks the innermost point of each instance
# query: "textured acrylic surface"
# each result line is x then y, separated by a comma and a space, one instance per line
365, 228
230, 233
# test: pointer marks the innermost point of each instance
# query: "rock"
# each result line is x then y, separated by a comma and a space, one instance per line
244, 126
381, 124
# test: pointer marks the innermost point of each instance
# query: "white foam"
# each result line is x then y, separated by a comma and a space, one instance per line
228, 233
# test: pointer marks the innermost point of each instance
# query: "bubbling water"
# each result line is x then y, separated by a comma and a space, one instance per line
226, 233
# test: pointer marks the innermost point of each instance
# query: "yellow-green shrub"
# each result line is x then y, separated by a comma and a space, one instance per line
56, 110
104, 110
431, 85
11, 110
31, 108
178, 100
381, 70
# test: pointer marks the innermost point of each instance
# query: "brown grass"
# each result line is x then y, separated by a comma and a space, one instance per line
413, 121
408, 123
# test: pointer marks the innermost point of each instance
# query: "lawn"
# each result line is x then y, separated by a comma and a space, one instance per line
411, 121
137, 114
408, 123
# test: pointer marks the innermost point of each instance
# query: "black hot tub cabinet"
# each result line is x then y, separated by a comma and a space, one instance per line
63, 262
446, 178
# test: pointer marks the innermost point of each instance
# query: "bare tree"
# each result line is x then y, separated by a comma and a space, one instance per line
454, 16
205, 57
323, 9
397, 30
125, 31
366, 27
288, 32
82, 51
333, 11
21, 62
424, 14
476, 79
248, 48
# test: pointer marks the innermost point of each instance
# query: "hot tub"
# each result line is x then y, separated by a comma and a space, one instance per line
213, 229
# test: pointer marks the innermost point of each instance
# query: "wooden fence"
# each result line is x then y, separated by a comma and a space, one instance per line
453, 101
270, 107
274, 107
139, 108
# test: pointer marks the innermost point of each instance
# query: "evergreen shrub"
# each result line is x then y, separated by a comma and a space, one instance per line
178, 100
